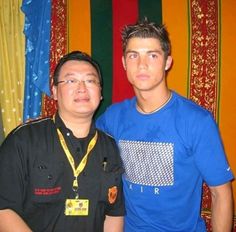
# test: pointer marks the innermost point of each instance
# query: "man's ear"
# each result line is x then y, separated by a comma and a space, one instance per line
123, 62
54, 92
168, 62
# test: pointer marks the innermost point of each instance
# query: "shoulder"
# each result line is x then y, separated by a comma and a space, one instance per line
106, 138
33, 125
110, 120
189, 108
31, 129
108, 144
121, 106
30, 135
192, 119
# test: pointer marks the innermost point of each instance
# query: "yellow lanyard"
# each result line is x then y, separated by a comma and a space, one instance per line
82, 164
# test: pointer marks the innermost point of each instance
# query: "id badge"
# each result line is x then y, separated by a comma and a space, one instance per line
76, 207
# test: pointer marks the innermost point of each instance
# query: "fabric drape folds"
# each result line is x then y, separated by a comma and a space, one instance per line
37, 32
12, 62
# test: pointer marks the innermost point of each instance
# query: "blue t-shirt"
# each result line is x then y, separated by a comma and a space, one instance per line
166, 155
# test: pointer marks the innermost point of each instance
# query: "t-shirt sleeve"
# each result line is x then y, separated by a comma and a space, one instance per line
117, 208
209, 153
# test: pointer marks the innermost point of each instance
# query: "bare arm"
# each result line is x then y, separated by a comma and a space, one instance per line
222, 207
113, 224
11, 221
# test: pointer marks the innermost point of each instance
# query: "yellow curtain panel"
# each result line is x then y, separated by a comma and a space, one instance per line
12, 63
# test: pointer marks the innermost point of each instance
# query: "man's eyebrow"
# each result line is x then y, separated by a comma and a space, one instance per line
72, 74
91, 74
155, 51
148, 51
131, 51
69, 74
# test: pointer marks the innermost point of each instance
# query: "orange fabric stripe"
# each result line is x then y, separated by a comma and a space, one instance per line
227, 112
79, 25
175, 15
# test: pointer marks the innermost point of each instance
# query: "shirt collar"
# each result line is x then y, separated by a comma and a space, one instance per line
60, 124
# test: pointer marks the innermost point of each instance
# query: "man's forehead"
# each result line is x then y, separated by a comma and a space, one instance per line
142, 50
143, 43
78, 62
77, 65
80, 74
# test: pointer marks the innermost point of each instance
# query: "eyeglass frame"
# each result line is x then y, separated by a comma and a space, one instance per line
76, 81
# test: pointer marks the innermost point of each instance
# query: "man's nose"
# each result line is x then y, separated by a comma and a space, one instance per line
81, 86
142, 62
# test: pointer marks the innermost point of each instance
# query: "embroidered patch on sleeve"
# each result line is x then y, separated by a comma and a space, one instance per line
112, 194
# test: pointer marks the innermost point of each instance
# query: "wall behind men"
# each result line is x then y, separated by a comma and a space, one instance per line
176, 16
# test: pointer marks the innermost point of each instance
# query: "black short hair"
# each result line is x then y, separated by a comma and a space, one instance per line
146, 29
79, 56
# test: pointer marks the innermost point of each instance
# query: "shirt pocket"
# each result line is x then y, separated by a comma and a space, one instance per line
110, 185
48, 182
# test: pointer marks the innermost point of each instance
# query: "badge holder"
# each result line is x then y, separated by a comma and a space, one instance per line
76, 207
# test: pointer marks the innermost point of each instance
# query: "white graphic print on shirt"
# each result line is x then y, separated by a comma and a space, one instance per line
148, 163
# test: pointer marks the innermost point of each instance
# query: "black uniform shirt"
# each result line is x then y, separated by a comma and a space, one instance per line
36, 177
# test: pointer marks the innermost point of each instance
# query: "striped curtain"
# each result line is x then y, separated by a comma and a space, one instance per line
196, 28
94, 27
202, 35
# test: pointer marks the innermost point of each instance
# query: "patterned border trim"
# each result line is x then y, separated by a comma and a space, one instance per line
204, 67
206, 214
205, 70
58, 47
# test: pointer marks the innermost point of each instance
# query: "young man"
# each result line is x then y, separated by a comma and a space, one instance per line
169, 145
61, 173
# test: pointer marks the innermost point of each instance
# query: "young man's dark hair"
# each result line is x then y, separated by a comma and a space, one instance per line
146, 29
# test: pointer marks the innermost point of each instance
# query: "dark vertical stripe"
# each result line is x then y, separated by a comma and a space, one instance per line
124, 12
101, 33
152, 9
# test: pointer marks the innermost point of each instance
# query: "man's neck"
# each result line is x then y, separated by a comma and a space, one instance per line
150, 102
79, 126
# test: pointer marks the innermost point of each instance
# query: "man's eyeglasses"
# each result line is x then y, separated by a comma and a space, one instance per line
74, 82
